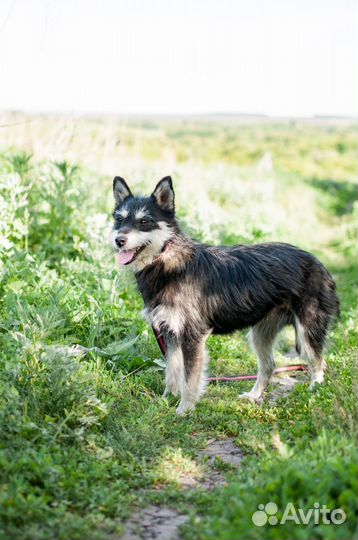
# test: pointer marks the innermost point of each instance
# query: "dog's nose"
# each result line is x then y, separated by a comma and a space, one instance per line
120, 241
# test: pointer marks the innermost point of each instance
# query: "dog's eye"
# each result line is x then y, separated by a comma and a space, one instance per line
119, 218
143, 221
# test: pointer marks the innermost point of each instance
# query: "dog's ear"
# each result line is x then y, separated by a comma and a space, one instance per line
120, 190
164, 194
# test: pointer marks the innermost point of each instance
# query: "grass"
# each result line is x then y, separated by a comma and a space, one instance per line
85, 435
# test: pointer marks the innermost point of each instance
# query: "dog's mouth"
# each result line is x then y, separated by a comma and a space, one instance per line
128, 256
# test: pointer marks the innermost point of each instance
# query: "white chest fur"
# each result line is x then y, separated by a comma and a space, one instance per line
168, 317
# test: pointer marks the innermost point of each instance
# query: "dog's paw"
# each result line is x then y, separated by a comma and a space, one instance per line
250, 395
317, 379
184, 407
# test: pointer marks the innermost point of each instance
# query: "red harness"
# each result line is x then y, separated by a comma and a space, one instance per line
295, 367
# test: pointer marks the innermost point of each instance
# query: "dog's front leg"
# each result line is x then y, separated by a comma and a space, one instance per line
194, 380
174, 372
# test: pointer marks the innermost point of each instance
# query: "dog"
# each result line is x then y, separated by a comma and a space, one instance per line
192, 290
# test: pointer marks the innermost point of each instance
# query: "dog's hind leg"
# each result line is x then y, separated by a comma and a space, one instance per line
194, 382
262, 337
314, 314
311, 336
174, 372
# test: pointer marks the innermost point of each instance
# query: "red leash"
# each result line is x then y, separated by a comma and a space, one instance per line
294, 367
160, 340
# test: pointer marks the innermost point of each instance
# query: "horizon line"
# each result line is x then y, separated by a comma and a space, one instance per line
258, 115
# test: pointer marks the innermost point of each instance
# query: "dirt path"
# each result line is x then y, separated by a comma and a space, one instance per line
154, 522
159, 523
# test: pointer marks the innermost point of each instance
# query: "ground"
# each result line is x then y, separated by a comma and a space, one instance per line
87, 443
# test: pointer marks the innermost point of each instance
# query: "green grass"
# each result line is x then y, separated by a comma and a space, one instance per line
85, 436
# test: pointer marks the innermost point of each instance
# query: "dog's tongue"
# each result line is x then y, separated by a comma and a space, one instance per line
124, 257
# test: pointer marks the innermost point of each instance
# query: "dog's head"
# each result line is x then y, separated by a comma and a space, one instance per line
142, 225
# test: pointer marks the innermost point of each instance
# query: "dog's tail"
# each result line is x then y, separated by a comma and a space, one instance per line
298, 345
321, 321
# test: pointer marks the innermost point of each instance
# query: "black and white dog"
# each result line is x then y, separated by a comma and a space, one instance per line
192, 290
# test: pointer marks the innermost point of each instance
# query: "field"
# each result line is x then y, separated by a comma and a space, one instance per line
86, 438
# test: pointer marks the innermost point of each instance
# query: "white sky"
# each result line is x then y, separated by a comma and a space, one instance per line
279, 57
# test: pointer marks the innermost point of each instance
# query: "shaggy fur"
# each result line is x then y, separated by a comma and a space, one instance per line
192, 290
